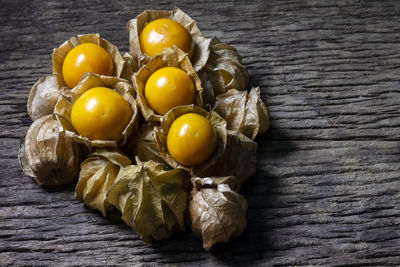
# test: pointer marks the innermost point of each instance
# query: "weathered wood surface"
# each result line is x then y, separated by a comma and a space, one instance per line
327, 188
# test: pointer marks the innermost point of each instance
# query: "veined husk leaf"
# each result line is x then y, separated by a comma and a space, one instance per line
216, 211
243, 111
170, 57
238, 159
98, 173
130, 67
224, 57
43, 97
145, 144
48, 155
135, 27
166, 122
61, 52
152, 199
64, 105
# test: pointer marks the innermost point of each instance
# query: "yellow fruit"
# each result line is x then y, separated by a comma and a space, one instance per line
87, 57
167, 88
101, 114
191, 139
162, 33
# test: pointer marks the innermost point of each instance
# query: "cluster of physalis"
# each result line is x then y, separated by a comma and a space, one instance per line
163, 135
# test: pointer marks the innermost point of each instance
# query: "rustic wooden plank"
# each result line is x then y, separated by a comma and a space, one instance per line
327, 184
311, 202
327, 71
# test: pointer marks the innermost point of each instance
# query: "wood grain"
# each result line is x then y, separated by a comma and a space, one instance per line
327, 188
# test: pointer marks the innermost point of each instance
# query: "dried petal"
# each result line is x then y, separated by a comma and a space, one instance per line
135, 26
61, 52
238, 160
151, 198
217, 213
43, 97
146, 148
130, 67
97, 175
244, 112
166, 122
64, 105
170, 57
47, 155
225, 58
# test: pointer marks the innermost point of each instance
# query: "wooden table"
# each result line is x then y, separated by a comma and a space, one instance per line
327, 185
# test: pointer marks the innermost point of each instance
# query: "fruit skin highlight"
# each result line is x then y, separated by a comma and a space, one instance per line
191, 139
101, 114
162, 33
167, 88
86, 57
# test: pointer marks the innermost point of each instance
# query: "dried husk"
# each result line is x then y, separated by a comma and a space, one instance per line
170, 57
43, 97
152, 199
130, 67
243, 111
166, 122
64, 105
238, 159
216, 211
48, 155
145, 144
97, 175
61, 52
135, 26
224, 57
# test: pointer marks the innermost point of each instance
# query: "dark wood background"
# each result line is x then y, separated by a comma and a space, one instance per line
327, 188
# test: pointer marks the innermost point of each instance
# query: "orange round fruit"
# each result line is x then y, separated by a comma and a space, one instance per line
191, 139
167, 88
101, 114
162, 33
86, 57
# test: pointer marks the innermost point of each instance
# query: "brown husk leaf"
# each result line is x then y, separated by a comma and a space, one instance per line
97, 175
130, 67
170, 57
238, 159
135, 26
152, 199
243, 111
48, 155
145, 144
216, 211
64, 105
166, 122
60, 53
43, 97
225, 57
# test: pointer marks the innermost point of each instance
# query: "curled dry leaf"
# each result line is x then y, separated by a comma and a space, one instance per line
97, 175
130, 67
216, 211
166, 122
61, 52
64, 105
243, 111
238, 159
135, 27
43, 97
47, 155
145, 145
151, 198
170, 57
224, 68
